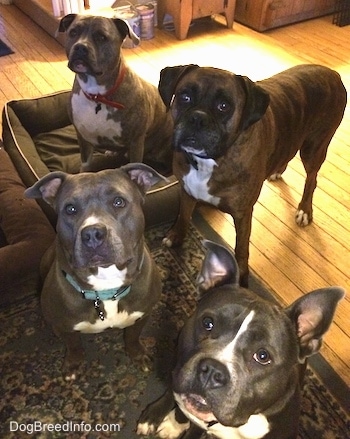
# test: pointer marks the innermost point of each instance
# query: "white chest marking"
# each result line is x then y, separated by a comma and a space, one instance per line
106, 278
113, 319
90, 124
196, 181
256, 428
91, 86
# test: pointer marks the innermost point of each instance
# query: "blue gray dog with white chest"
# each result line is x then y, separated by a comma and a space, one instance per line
111, 107
99, 273
240, 360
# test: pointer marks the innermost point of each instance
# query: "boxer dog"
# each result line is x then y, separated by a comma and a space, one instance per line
240, 360
111, 107
230, 134
99, 273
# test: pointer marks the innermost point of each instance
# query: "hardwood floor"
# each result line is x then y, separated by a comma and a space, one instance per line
289, 260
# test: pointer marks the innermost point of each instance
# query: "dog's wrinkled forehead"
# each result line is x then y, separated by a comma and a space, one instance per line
233, 301
226, 295
92, 188
225, 311
208, 82
91, 25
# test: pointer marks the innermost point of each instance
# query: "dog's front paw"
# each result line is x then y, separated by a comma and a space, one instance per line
150, 418
141, 360
72, 371
173, 238
277, 174
73, 364
274, 177
145, 429
144, 362
169, 428
303, 218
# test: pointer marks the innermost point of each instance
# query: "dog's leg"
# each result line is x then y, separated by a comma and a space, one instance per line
74, 354
163, 418
177, 233
136, 150
134, 348
277, 175
243, 227
303, 216
86, 153
312, 155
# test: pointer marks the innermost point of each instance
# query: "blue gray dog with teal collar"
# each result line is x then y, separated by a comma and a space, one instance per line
98, 274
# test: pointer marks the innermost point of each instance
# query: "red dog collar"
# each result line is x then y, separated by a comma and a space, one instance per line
103, 99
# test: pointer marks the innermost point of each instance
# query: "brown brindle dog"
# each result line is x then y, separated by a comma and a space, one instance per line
230, 134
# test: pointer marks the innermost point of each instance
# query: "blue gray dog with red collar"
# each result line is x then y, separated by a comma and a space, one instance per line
111, 107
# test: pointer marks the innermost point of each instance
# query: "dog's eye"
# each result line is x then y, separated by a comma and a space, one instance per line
119, 202
185, 98
223, 107
208, 323
73, 33
262, 356
70, 209
100, 38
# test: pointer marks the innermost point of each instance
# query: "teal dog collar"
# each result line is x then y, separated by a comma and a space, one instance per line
97, 296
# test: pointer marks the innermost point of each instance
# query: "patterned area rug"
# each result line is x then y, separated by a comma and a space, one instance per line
36, 402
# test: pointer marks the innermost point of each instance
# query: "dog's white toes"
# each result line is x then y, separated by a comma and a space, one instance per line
302, 218
275, 176
71, 377
167, 242
170, 428
109, 153
145, 429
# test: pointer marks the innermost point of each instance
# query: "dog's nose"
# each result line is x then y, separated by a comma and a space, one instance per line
93, 236
199, 119
80, 50
212, 374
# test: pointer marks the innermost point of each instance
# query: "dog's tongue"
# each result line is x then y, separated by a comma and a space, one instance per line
198, 407
78, 66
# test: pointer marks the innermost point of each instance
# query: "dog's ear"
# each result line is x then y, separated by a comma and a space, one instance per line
143, 175
65, 22
47, 187
125, 30
257, 101
312, 315
169, 78
218, 268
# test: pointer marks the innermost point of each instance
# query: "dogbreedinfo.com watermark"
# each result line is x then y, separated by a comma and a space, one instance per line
66, 427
